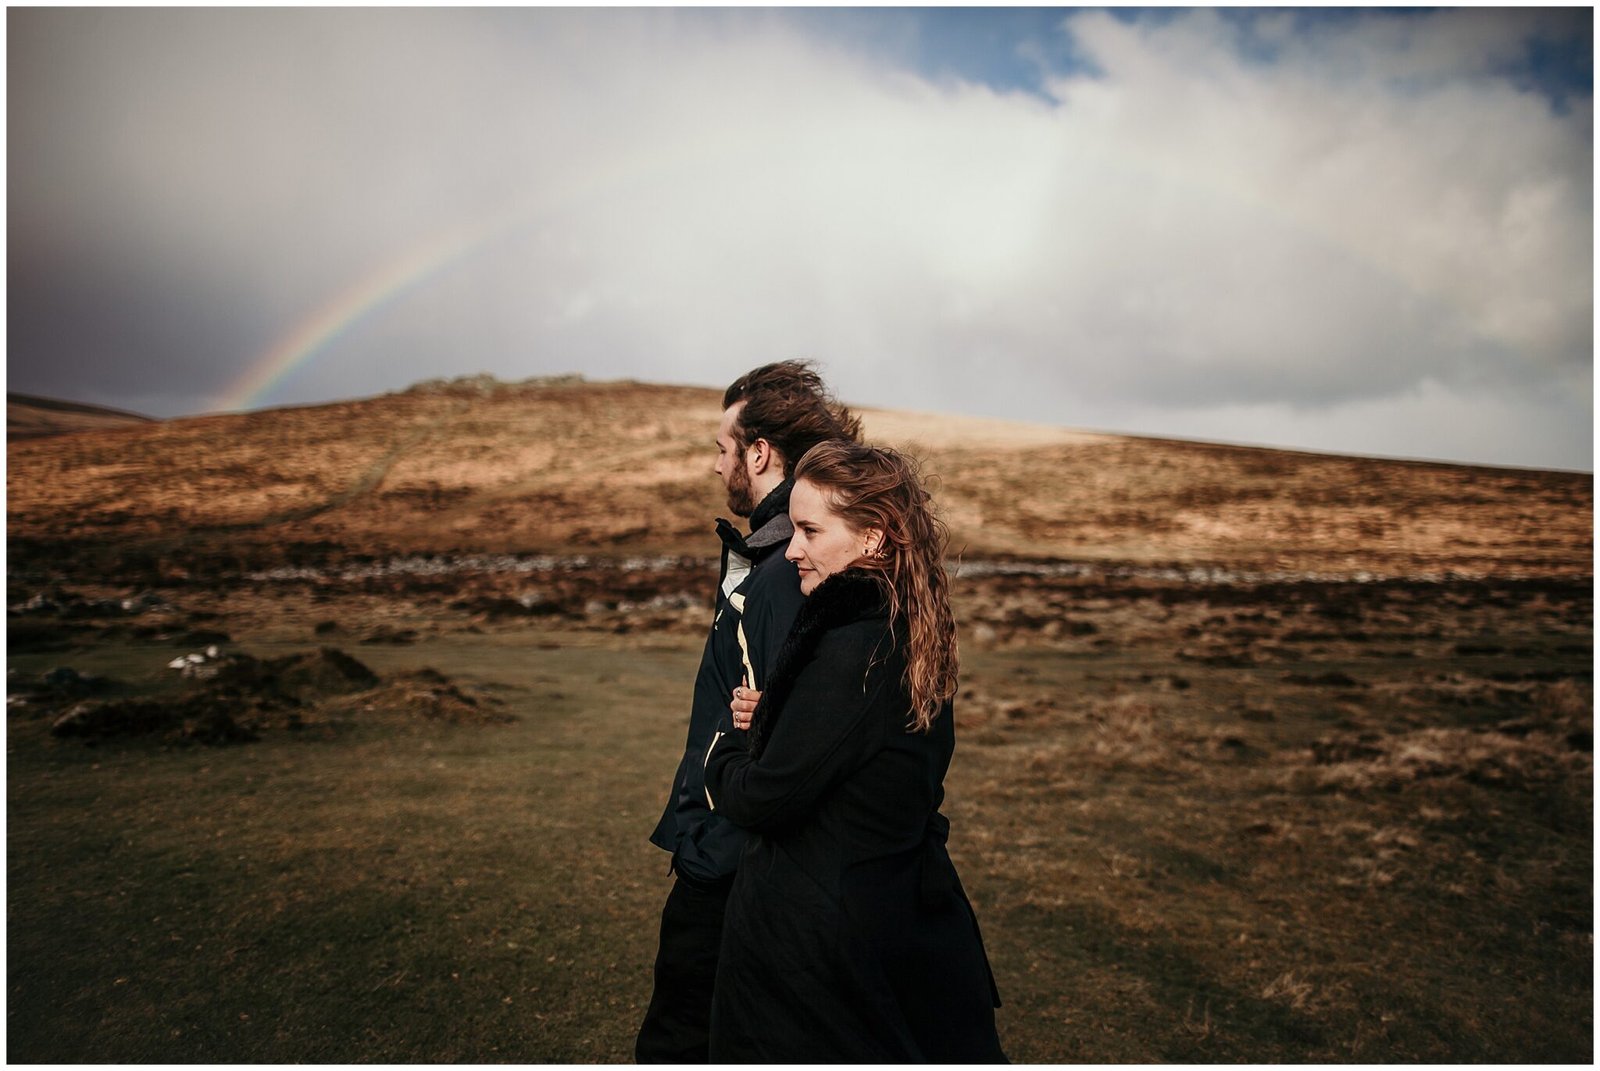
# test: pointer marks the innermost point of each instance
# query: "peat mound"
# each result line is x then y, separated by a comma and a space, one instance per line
429, 695
300, 679
234, 697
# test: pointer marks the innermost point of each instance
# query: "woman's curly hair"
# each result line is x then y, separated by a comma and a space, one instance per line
875, 487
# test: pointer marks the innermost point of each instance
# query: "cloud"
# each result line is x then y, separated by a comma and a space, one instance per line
1253, 224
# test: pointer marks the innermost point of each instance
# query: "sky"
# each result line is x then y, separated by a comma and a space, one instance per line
1366, 232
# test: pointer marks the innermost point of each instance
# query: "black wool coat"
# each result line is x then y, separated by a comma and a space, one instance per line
848, 937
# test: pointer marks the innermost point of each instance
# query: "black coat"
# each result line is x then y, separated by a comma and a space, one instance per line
758, 598
848, 938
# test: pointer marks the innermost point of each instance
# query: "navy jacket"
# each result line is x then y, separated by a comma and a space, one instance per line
758, 599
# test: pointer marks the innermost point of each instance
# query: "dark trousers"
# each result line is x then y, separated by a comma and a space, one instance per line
677, 1025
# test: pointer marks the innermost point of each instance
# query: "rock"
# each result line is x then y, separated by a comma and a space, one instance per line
538, 603
198, 665
96, 718
145, 600
38, 604
656, 604
389, 634
64, 683
66, 680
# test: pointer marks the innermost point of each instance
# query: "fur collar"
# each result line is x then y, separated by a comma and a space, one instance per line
841, 599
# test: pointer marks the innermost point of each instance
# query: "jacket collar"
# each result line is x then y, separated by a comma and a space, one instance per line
769, 524
770, 521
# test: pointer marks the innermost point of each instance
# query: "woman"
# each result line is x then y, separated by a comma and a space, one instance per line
848, 938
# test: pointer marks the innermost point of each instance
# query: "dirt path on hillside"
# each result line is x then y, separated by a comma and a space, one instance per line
365, 484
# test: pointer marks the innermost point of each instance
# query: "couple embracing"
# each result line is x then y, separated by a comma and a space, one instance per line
815, 916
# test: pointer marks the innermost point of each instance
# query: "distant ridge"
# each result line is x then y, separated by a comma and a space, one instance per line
30, 416
620, 469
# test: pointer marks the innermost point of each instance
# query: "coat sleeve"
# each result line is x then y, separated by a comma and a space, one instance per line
774, 603
826, 733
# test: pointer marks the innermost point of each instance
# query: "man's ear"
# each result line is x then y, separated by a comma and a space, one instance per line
761, 456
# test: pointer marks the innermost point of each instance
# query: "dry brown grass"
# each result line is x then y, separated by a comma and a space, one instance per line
501, 467
1528, 763
1163, 871
1206, 816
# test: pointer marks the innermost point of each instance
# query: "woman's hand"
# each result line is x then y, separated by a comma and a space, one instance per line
743, 706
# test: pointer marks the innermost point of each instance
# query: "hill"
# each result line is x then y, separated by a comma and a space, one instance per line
29, 416
623, 468
1265, 757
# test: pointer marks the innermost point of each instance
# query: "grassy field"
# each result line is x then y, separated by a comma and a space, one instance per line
394, 893
1323, 823
1264, 755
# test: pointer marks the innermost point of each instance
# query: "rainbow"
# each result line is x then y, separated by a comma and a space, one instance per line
418, 262
439, 250
377, 288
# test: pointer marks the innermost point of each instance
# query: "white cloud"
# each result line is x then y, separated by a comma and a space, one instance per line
1367, 227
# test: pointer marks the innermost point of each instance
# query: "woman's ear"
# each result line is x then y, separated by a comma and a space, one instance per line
872, 540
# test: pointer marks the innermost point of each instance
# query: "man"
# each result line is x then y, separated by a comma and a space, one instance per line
771, 417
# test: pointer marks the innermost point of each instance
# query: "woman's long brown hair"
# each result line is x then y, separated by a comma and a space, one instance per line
874, 487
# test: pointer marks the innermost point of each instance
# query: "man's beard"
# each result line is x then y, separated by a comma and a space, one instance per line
741, 496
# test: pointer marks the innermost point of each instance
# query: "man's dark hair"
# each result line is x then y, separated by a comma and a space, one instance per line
788, 405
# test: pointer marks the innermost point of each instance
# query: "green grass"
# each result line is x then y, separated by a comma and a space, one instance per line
429, 894
1155, 897
1162, 873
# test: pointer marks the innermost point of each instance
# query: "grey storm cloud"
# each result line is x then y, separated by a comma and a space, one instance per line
1360, 236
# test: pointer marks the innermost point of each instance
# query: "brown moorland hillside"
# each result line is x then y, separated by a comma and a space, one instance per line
335, 734
621, 468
